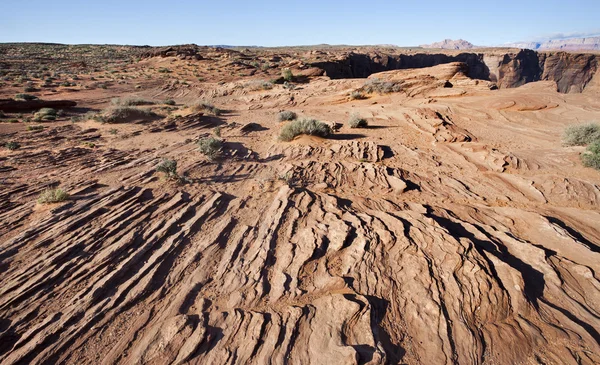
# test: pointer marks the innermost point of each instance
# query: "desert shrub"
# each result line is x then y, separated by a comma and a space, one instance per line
121, 114
356, 121
591, 157
582, 134
30, 89
357, 95
35, 127
169, 168
287, 115
131, 102
164, 70
45, 114
210, 147
259, 85
169, 102
25, 97
304, 126
207, 107
287, 74
50, 196
12, 145
381, 87
12, 121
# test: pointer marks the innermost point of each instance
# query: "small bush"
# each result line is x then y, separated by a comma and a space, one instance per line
381, 87
207, 107
164, 70
287, 115
25, 97
50, 196
169, 102
304, 126
12, 145
12, 121
356, 121
287, 74
210, 147
35, 127
131, 102
357, 95
30, 89
582, 134
122, 114
45, 114
169, 168
591, 157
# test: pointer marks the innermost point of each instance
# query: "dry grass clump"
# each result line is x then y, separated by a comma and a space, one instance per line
25, 97
50, 196
591, 157
45, 114
356, 121
381, 87
582, 134
304, 126
258, 85
131, 102
287, 75
357, 95
287, 115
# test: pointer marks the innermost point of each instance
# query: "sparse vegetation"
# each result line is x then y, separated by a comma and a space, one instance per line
259, 85
131, 102
210, 147
169, 168
123, 114
207, 107
35, 127
169, 102
356, 121
591, 157
287, 115
45, 114
582, 134
304, 126
357, 95
381, 87
287, 74
12, 145
25, 97
50, 196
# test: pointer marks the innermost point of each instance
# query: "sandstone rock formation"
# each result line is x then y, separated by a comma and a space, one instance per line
450, 44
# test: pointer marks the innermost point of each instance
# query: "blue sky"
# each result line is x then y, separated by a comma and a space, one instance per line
272, 23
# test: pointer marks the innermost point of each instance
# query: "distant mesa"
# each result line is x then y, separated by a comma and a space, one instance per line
570, 44
450, 44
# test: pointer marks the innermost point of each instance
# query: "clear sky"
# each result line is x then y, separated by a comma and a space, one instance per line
272, 23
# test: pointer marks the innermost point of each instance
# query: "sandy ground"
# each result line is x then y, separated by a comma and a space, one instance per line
454, 229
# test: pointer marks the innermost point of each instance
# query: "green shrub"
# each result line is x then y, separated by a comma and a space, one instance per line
381, 87
591, 157
169, 102
12, 121
356, 121
259, 85
287, 74
131, 102
25, 97
304, 126
30, 89
169, 168
35, 127
50, 196
582, 134
287, 115
12, 145
164, 70
210, 147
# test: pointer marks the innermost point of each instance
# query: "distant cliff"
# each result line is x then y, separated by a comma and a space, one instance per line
572, 72
572, 44
450, 44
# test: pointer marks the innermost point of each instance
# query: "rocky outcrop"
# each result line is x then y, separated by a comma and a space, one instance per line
18, 106
571, 72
